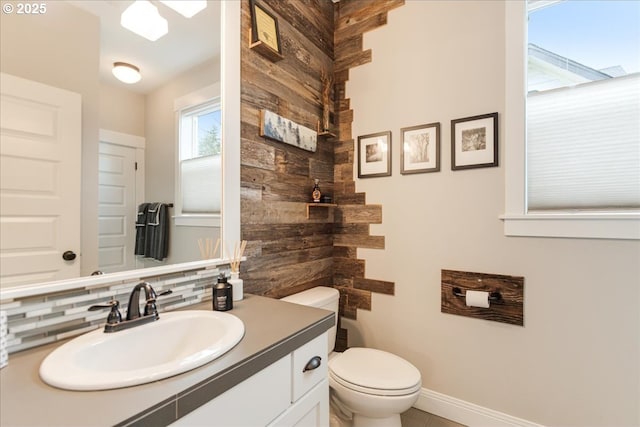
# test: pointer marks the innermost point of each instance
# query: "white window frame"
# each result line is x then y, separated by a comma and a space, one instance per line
517, 221
186, 102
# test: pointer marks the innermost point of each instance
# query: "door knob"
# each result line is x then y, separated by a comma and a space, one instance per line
69, 256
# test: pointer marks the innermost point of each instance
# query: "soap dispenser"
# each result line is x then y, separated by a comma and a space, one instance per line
222, 294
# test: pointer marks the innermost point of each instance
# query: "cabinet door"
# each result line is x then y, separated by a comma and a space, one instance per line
304, 380
312, 410
254, 402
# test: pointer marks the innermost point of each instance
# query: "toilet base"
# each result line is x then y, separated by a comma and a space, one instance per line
337, 418
362, 421
338, 415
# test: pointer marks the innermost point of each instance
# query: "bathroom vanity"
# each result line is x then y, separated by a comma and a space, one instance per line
258, 382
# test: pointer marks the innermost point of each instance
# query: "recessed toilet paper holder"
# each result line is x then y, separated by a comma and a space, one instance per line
493, 296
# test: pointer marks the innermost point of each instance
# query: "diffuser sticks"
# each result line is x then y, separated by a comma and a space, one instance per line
238, 251
207, 251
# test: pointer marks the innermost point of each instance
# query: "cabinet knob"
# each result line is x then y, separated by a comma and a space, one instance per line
69, 256
312, 364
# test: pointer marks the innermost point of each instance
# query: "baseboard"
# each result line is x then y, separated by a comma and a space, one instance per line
466, 413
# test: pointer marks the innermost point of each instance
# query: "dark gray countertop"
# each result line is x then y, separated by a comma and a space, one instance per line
272, 329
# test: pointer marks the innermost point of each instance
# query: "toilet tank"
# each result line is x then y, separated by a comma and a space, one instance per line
320, 297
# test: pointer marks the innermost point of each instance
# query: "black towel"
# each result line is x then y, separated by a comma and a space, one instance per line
152, 231
141, 228
157, 231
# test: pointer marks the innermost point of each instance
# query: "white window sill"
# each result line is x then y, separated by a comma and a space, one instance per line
573, 225
197, 220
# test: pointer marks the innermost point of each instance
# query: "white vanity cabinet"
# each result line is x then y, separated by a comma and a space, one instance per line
282, 394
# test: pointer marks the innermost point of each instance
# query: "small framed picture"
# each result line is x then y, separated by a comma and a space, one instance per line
474, 142
374, 155
420, 149
264, 27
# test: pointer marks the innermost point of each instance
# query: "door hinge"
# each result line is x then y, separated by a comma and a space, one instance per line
136, 165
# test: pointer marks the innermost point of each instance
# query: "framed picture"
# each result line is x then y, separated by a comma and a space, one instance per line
276, 127
474, 142
374, 155
420, 149
264, 27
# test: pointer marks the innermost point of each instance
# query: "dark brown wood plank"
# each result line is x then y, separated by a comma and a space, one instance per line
509, 309
377, 286
359, 241
369, 214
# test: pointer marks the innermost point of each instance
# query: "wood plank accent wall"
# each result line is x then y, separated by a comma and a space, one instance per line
352, 217
286, 252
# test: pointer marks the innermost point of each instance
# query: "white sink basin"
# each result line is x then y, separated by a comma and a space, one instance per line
176, 343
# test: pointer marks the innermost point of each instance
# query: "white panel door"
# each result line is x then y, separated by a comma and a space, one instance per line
40, 144
116, 207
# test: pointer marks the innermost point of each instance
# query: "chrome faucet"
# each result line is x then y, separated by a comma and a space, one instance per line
114, 320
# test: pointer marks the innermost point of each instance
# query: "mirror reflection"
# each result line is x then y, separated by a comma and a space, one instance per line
144, 182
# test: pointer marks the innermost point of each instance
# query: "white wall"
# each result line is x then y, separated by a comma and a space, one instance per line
121, 110
576, 361
161, 149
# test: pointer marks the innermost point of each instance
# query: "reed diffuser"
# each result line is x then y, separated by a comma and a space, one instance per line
238, 251
207, 251
234, 262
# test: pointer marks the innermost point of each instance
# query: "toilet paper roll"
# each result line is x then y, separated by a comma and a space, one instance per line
477, 299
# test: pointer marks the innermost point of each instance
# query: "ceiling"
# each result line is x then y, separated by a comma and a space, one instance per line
190, 41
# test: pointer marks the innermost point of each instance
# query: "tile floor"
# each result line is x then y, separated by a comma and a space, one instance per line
417, 418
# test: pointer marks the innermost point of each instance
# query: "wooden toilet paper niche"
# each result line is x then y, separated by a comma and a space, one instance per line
505, 296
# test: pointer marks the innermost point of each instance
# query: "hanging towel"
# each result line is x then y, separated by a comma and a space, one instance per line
141, 228
157, 231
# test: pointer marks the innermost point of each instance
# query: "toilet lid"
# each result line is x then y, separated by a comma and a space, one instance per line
375, 372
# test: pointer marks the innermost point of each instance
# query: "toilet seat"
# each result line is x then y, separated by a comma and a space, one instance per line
374, 372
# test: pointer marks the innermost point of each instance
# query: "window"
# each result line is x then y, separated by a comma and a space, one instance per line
199, 179
572, 128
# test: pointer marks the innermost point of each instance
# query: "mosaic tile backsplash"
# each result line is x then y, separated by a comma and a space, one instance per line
36, 320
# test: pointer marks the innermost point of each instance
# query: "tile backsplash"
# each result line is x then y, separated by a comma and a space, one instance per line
42, 319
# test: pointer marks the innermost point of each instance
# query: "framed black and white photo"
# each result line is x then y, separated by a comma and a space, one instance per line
374, 155
474, 142
420, 149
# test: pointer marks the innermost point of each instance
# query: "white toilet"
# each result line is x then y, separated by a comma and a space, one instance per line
369, 388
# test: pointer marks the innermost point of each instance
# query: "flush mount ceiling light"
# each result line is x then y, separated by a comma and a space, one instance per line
126, 73
186, 8
143, 19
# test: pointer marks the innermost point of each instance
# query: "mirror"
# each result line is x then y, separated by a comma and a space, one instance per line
51, 60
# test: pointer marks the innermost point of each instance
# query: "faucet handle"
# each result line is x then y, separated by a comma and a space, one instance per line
114, 315
150, 307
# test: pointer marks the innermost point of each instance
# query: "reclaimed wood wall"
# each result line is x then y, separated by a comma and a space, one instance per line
353, 216
288, 252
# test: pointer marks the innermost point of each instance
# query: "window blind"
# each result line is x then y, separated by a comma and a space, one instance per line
583, 146
201, 184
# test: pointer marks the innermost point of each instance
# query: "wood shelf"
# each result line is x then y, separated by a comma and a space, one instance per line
264, 49
319, 205
327, 134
